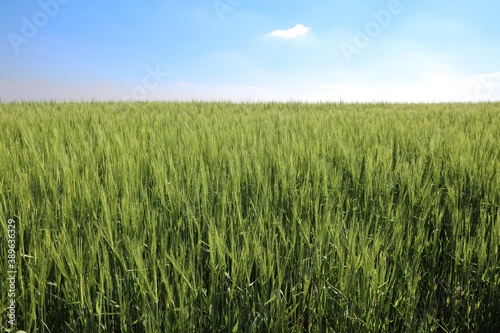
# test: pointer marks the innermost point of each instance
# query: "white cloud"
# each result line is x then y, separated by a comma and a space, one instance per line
294, 32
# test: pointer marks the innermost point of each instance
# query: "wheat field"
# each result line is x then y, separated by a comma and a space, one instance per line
252, 217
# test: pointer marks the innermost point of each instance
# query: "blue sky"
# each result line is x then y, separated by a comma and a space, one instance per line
250, 50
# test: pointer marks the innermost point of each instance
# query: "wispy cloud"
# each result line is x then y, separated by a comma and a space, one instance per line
298, 30
24, 85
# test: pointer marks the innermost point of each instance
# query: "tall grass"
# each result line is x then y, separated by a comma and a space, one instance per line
220, 217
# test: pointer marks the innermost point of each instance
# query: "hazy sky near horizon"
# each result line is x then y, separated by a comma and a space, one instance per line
250, 50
